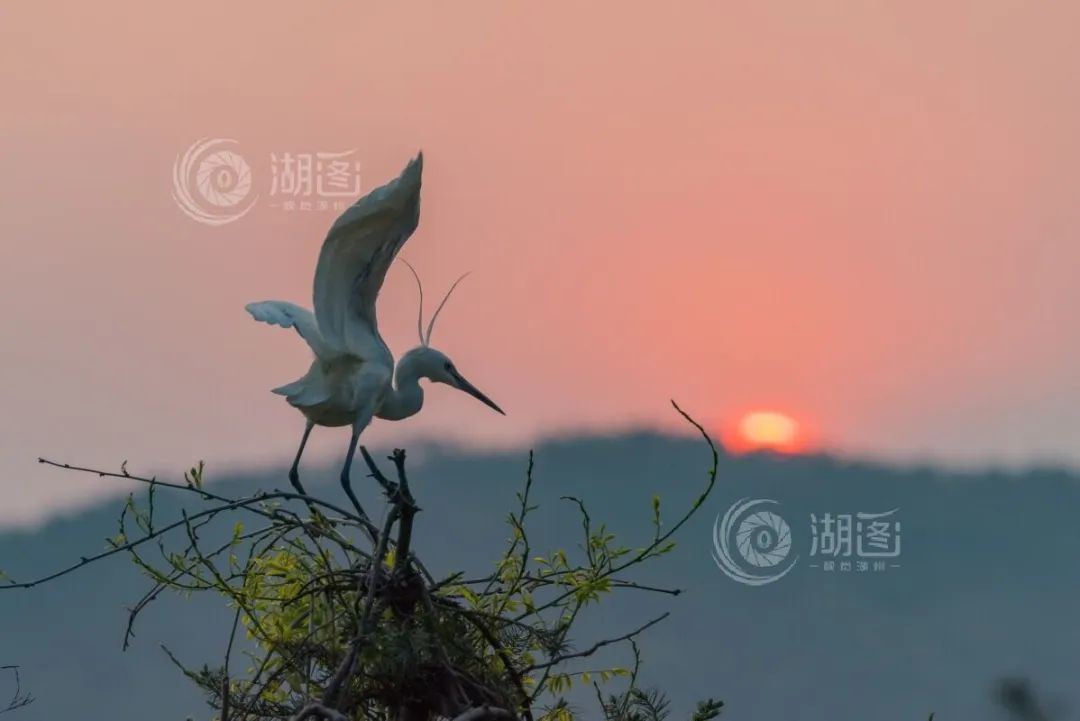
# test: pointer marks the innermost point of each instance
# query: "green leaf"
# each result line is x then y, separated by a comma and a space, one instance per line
710, 709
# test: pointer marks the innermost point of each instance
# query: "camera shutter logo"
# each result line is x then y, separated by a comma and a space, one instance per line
211, 183
752, 544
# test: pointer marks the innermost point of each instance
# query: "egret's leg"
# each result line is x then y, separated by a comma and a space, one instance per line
362, 421
294, 472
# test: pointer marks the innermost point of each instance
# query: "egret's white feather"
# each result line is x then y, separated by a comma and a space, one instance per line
355, 256
308, 391
290, 315
331, 392
305, 392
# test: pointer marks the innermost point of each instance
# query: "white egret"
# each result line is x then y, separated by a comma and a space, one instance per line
353, 377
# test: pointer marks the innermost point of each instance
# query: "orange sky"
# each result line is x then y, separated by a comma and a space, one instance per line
861, 214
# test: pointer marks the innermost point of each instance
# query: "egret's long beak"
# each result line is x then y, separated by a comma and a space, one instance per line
473, 391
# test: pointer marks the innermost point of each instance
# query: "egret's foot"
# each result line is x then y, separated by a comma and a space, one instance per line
294, 479
346, 484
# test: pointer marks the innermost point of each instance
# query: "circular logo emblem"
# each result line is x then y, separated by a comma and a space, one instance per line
752, 545
211, 183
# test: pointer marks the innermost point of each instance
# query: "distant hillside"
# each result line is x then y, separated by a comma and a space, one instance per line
986, 585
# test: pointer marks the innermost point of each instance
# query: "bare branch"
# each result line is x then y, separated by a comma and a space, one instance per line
315, 709
598, 645
486, 713
18, 698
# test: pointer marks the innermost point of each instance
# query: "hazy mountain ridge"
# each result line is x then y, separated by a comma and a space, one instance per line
972, 599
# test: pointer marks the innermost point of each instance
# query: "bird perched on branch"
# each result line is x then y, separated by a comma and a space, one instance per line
353, 377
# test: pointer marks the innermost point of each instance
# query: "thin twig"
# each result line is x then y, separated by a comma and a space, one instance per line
597, 646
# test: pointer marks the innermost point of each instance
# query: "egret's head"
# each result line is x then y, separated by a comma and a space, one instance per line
426, 362
429, 363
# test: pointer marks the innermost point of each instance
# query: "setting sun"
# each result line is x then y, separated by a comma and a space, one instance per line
768, 430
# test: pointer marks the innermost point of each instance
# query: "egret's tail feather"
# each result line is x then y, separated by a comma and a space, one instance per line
308, 391
289, 388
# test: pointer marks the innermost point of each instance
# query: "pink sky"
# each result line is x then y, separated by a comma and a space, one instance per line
860, 213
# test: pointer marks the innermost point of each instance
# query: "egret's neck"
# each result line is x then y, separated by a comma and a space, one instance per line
406, 397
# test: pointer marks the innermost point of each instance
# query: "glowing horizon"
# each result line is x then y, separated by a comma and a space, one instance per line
770, 430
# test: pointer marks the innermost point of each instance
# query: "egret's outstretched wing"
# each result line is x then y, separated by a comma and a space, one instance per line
355, 256
290, 315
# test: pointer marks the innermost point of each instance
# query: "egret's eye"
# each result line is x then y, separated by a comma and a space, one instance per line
449, 366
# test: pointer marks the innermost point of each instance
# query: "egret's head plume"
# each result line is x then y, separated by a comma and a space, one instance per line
431, 324
420, 314
425, 338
